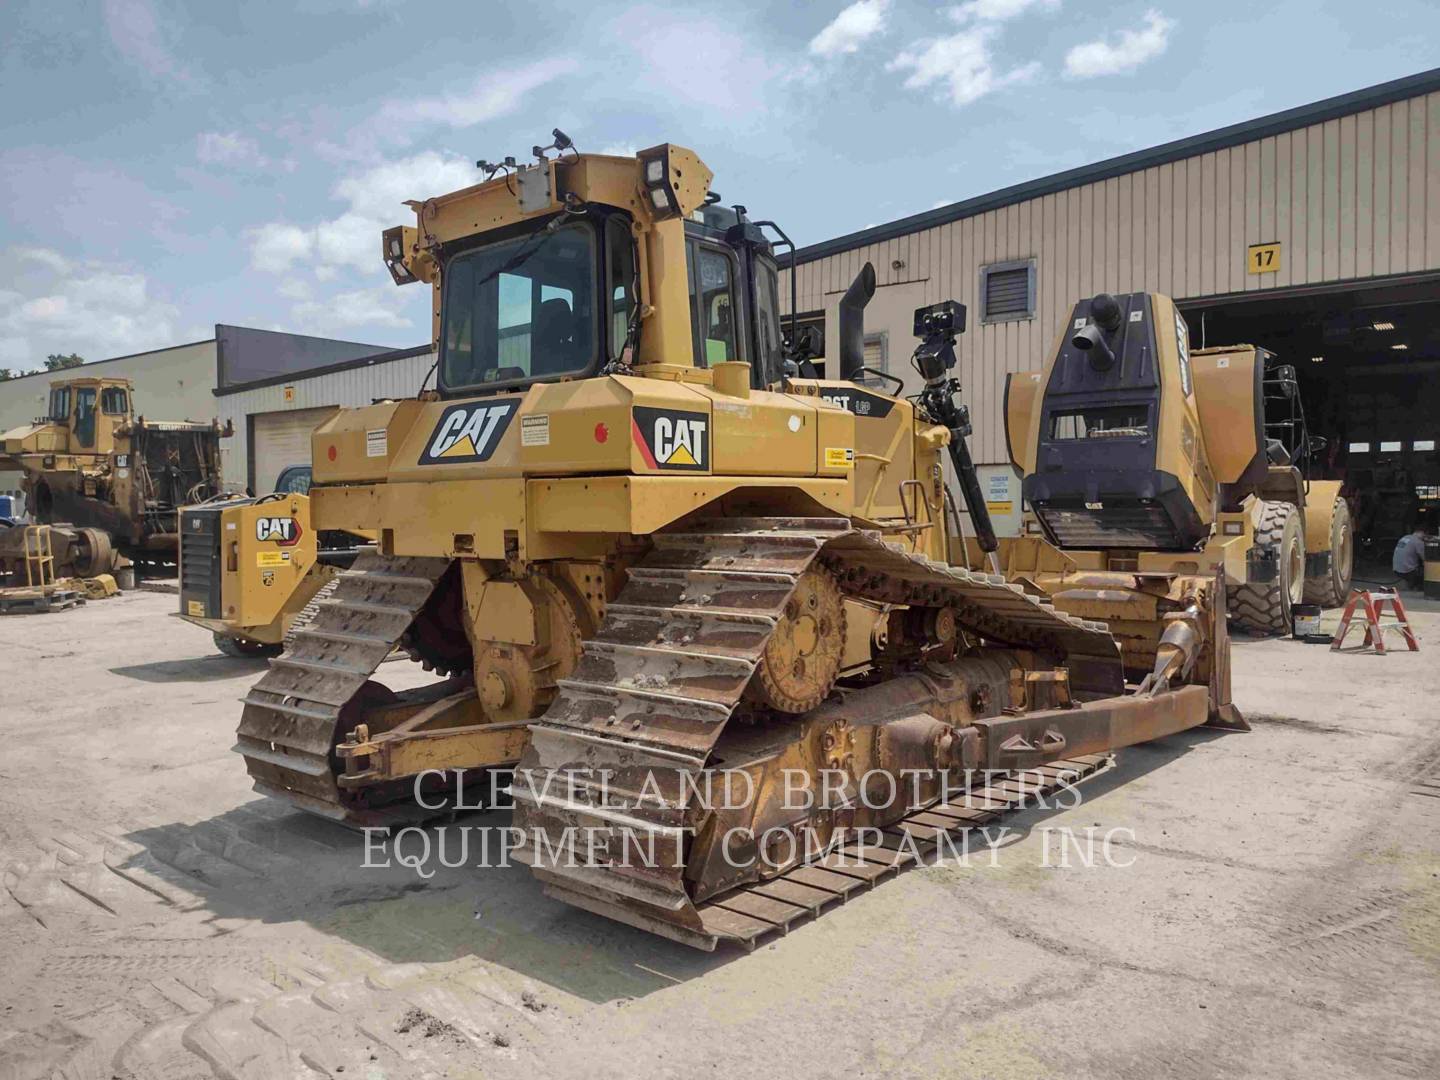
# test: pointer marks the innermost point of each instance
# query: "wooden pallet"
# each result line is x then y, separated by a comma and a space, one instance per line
36, 601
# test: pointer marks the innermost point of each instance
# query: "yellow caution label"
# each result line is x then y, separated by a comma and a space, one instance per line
839, 457
272, 558
195, 609
1000, 507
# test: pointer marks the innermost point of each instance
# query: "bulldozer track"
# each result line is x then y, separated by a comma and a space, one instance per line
669, 666
292, 716
311, 611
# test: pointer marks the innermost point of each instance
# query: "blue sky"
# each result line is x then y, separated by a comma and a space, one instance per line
168, 166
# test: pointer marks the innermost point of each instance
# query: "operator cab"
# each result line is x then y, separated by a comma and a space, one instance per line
90, 408
557, 300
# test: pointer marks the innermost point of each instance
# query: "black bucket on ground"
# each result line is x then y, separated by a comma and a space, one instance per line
1307, 622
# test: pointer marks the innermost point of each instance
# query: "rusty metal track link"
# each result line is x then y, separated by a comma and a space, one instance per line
669, 665
754, 913
291, 718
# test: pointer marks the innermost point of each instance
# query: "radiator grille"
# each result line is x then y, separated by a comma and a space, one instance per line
200, 561
1111, 527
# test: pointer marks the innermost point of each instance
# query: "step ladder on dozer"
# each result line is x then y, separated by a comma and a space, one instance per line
1372, 606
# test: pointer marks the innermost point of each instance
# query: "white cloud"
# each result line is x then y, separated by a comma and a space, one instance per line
675, 55
491, 96
1131, 49
135, 30
52, 304
962, 65
381, 192
344, 312
351, 239
277, 246
850, 29
229, 148
997, 10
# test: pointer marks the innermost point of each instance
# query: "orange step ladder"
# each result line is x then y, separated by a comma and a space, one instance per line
1372, 604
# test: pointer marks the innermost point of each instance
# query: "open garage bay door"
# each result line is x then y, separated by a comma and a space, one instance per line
1367, 357
279, 439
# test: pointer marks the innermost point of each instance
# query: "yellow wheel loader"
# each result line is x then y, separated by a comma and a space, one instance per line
1147, 459
660, 565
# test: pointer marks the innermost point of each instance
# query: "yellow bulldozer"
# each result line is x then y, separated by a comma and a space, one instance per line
252, 569
655, 559
107, 481
1146, 459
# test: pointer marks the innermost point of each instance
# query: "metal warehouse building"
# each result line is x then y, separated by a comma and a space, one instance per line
1314, 233
273, 417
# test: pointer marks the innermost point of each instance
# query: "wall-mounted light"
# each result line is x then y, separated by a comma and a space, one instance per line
1317, 359
1382, 326
1400, 346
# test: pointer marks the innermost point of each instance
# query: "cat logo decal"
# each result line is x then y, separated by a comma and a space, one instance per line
672, 438
469, 431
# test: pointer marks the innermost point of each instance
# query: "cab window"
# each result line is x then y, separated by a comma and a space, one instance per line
112, 401
85, 416
712, 302
620, 258
768, 320
294, 480
520, 310
60, 404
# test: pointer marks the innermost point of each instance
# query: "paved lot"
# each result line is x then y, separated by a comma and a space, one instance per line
1280, 915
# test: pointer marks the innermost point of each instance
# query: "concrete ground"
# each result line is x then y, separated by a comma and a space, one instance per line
1279, 915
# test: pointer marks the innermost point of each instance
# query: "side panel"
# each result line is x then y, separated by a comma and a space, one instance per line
1228, 391
1180, 449
1319, 514
1022, 395
883, 441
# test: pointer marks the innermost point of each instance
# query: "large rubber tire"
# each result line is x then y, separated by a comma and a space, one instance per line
1265, 607
242, 648
1330, 590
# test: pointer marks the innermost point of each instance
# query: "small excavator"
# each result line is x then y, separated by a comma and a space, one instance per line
652, 555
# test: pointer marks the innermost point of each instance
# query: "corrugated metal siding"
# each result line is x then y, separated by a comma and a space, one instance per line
354, 386
1353, 197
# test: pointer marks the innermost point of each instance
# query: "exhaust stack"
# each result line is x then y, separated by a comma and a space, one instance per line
852, 321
